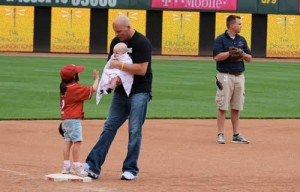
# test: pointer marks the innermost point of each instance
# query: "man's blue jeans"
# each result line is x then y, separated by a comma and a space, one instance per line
122, 107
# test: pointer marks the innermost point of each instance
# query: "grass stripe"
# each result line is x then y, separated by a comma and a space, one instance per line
181, 88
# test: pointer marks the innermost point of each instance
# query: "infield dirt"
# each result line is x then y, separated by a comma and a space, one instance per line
176, 156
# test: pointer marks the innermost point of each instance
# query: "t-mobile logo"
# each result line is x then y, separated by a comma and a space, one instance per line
196, 4
166, 2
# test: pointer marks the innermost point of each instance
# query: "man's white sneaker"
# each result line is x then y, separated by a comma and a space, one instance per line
128, 176
221, 138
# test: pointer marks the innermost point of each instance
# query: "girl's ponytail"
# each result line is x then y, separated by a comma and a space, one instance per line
63, 84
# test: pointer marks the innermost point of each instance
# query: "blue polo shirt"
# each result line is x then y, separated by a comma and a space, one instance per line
222, 44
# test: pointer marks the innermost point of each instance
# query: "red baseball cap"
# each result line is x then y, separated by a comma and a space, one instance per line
68, 71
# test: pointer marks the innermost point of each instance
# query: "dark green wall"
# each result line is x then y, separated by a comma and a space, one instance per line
243, 6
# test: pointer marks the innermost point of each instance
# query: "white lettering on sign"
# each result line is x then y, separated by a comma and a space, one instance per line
75, 3
31, 1
94, 3
204, 3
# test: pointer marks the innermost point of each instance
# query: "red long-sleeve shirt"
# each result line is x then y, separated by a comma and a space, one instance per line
71, 103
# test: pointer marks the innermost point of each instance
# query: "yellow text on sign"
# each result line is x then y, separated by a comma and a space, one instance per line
283, 36
16, 28
268, 1
180, 34
70, 30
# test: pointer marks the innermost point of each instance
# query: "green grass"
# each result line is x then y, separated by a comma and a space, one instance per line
181, 89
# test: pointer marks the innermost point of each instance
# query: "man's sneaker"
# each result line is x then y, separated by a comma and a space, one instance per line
86, 167
65, 170
92, 175
128, 176
221, 139
79, 171
239, 139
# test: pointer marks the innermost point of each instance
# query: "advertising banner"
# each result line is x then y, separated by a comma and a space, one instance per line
218, 5
246, 25
68, 3
283, 36
16, 28
136, 17
180, 33
70, 30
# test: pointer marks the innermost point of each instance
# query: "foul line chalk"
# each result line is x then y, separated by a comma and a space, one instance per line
13, 172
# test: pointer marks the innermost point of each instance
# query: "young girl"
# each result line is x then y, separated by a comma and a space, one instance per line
72, 96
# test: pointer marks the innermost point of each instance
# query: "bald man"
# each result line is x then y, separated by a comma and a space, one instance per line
132, 108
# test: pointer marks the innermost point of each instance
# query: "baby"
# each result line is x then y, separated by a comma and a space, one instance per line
111, 77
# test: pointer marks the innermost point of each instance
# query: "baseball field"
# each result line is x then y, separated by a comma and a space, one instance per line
179, 149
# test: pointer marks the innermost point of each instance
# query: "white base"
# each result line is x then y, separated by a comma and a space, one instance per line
67, 177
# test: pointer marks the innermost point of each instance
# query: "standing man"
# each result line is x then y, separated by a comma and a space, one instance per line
123, 107
230, 52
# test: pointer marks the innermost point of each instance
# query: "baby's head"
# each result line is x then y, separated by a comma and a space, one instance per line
120, 49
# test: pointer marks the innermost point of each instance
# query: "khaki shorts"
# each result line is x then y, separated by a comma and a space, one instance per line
233, 92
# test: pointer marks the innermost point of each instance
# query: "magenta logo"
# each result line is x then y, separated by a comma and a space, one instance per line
196, 4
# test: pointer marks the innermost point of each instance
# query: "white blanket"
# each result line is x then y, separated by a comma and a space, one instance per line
108, 74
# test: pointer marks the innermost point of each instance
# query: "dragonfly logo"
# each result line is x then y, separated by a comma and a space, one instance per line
285, 21
14, 12
70, 14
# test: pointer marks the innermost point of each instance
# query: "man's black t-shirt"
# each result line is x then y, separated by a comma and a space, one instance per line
139, 49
